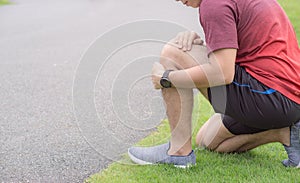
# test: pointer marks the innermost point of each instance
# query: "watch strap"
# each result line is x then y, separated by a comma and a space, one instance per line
166, 74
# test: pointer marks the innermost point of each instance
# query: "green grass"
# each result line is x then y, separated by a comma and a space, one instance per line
3, 2
292, 7
262, 164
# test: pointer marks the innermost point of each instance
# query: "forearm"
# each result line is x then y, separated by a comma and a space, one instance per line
202, 76
218, 71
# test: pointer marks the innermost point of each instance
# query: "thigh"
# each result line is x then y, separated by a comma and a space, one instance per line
237, 128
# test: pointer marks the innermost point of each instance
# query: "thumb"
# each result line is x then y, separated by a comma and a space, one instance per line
198, 41
156, 66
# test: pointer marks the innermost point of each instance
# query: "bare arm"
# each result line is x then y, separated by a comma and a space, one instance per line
219, 71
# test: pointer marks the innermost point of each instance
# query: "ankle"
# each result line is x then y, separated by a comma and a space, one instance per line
184, 151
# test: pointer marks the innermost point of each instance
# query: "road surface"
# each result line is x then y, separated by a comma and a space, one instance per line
42, 44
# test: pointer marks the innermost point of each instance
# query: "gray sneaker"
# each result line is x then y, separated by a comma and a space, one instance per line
293, 150
159, 155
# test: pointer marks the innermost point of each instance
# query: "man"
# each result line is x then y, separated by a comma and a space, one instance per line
249, 72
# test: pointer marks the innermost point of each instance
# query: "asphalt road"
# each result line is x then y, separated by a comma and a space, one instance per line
46, 134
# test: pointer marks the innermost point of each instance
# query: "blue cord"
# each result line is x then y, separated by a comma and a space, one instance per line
267, 92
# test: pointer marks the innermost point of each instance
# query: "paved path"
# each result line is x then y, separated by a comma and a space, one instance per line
41, 45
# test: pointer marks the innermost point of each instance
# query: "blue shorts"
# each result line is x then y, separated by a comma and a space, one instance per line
249, 107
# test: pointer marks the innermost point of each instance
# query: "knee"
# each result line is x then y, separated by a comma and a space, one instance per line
212, 133
170, 56
200, 138
204, 140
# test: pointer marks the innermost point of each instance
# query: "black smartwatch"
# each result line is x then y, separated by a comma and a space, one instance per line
164, 81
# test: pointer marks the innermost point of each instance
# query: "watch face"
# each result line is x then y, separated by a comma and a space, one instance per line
164, 82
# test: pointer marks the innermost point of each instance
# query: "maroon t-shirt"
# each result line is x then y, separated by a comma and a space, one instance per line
265, 40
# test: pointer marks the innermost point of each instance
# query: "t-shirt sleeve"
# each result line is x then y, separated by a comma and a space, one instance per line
219, 22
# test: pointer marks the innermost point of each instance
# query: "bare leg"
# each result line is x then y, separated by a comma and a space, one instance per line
179, 105
179, 102
216, 137
251, 141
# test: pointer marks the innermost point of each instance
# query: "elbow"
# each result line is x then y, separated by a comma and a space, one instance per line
220, 80
228, 79
228, 74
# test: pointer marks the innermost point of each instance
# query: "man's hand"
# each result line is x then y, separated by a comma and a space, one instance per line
185, 40
157, 72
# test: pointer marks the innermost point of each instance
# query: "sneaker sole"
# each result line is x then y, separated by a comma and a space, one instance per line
138, 161
142, 162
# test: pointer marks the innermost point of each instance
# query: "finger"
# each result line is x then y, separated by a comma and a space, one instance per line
162, 68
190, 43
180, 40
185, 41
196, 35
158, 65
198, 41
154, 69
157, 87
192, 37
174, 43
157, 69
156, 83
